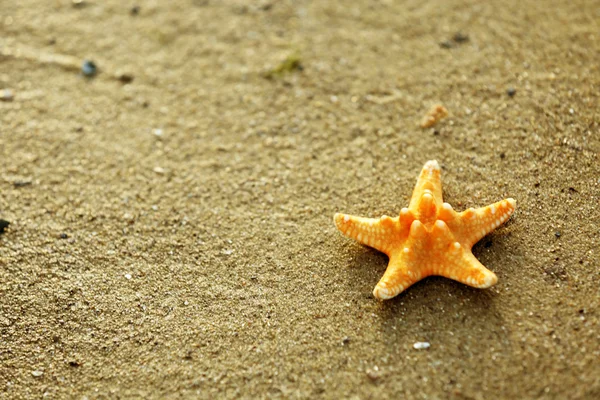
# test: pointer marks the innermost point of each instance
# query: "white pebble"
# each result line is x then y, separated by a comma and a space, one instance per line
37, 373
421, 345
127, 276
7, 95
157, 132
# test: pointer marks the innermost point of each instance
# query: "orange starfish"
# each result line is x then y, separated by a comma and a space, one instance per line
428, 238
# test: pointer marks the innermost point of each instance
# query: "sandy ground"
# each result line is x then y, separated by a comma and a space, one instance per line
172, 236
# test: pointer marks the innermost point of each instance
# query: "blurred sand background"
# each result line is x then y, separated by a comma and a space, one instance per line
171, 226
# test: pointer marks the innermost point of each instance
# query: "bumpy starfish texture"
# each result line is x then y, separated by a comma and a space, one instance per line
428, 238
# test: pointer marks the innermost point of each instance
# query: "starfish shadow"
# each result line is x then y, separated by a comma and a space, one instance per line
452, 317
432, 291
430, 309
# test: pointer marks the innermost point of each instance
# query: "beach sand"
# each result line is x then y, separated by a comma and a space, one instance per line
171, 230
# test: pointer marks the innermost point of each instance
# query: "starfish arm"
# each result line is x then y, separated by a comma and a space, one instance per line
430, 179
399, 275
378, 233
473, 224
405, 266
461, 265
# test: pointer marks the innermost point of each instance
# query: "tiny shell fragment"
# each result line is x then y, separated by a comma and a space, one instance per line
435, 114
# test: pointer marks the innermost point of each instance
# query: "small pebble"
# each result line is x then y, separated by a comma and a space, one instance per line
159, 170
434, 115
460, 37
64, 236
7, 95
135, 10
3, 225
157, 132
373, 374
88, 68
511, 91
125, 77
127, 276
421, 345
22, 183
37, 373
345, 340
557, 234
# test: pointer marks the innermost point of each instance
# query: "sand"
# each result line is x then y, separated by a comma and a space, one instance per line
171, 226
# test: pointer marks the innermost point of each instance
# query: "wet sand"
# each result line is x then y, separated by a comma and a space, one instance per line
171, 229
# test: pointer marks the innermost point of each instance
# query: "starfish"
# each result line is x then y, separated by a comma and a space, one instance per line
428, 238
